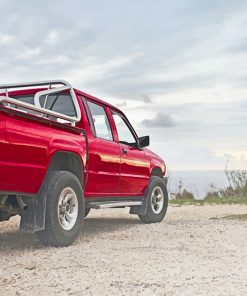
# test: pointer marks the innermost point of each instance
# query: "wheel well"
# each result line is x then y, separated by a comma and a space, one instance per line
156, 172
67, 161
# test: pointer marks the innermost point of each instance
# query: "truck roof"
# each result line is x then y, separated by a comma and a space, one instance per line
79, 92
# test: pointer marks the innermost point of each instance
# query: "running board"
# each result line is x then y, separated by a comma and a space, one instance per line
113, 204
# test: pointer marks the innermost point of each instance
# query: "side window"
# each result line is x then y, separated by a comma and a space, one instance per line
125, 135
101, 123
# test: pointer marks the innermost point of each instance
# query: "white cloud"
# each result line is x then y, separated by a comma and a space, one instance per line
184, 60
53, 37
5, 39
90, 70
60, 59
29, 53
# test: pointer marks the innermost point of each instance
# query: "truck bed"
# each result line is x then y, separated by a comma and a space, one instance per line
27, 145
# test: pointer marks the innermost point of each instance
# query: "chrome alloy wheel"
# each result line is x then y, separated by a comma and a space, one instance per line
157, 200
67, 208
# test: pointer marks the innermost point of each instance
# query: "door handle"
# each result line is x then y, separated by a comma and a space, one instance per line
125, 151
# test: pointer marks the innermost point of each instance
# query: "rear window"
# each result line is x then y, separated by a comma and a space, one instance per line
25, 99
61, 103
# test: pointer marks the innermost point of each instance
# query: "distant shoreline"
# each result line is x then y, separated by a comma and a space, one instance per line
209, 201
198, 182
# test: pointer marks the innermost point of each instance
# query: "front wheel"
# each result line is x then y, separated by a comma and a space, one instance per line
157, 201
65, 209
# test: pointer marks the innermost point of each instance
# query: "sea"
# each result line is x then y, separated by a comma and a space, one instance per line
196, 182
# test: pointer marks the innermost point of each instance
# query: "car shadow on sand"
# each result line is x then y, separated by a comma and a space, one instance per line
92, 227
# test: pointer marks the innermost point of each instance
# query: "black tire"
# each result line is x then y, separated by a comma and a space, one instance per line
155, 215
54, 233
87, 211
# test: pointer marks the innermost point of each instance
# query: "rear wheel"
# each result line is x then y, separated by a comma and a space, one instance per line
157, 201
64, 209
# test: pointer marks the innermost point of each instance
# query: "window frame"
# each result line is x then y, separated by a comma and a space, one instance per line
91, 122
130, 127
88, 114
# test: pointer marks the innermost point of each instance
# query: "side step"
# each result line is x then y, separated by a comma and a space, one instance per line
113, 204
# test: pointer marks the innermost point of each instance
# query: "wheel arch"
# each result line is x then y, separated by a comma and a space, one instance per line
34, 216
156, 171
67, 161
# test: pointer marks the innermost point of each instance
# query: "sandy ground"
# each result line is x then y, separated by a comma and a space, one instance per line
192, 252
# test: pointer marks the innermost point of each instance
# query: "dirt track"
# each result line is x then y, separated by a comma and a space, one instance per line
188, 254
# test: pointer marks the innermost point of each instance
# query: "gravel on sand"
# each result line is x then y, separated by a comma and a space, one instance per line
196, 250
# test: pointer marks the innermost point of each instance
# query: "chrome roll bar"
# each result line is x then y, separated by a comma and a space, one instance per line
38, 83
42, 111
37, 107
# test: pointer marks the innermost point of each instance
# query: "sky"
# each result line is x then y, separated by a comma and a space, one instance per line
178, 69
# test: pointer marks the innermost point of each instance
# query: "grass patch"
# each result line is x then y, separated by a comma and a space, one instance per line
210, 201
185, 202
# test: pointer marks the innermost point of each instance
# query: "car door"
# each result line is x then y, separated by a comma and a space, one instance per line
104, 155
134, 169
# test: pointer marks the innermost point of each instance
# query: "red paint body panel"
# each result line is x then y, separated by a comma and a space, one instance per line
27, 151
135, 171
103, 168
27, 145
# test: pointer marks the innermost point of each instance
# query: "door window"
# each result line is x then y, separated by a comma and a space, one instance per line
125, 135
101, 123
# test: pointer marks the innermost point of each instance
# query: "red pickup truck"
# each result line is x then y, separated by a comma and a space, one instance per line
64, 152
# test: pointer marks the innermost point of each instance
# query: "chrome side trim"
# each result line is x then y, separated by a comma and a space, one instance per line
115, 204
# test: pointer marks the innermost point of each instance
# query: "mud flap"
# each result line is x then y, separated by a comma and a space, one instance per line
141, 210
33, 216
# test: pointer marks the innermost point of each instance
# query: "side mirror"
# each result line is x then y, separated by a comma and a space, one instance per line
144, 141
